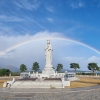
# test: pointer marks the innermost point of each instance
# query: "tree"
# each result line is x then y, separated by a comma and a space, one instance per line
23, 68
59, 67
4, 72
35, 66
8, 72
93, 67
75, 66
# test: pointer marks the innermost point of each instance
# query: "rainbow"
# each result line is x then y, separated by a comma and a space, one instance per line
57, 38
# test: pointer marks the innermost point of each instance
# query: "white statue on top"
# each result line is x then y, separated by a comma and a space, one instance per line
48, 53
48, 69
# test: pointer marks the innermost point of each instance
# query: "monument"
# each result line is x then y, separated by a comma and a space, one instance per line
48, 69
47, 79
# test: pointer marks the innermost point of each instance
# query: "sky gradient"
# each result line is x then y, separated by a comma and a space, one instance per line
23, 20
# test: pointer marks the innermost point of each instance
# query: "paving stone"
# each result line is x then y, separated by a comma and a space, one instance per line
56, 94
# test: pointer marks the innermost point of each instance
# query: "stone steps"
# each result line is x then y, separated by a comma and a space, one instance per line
30, 84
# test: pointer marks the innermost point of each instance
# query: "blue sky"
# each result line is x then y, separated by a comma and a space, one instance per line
21, 20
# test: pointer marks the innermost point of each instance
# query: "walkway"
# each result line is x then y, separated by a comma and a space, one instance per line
87, 93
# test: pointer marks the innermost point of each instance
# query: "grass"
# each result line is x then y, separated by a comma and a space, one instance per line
84, 82
1, 84
89, 80
2, 81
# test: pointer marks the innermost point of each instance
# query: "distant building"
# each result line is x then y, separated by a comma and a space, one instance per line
25, 75
69, 74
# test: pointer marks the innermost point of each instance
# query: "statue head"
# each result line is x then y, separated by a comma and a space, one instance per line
48, 41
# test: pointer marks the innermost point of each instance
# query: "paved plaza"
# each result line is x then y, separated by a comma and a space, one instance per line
88, 93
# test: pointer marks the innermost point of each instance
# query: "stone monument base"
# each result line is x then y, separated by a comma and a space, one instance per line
49, 71
37, 84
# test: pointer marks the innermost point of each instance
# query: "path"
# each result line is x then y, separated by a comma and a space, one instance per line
87, 93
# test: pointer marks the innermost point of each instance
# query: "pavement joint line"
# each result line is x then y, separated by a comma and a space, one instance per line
29, 92
21, 97
35, 92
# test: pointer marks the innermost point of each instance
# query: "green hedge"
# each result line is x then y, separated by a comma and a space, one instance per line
85, 73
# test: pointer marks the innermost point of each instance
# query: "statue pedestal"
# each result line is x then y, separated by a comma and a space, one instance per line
48, 71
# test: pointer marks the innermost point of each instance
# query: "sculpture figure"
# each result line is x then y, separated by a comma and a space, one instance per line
48, 69
48, 53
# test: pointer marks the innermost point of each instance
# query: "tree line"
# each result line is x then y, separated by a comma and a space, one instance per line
91, 66
35, 67
4, 72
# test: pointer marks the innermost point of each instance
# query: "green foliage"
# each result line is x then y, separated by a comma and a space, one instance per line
59, 67
15, 74
85, 73
35, 66
75, 66
93, 67
4, 72
23, 68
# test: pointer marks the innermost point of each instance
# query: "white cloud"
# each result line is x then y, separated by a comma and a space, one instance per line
26, 4
7, 41
10, 18
73, 59
6, 29
94, 59
50, 9
82, 61
81, 4
41, 26
50, 19
75, 4
8, 55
